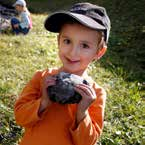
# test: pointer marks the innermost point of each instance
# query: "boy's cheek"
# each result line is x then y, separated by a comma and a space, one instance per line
63, 50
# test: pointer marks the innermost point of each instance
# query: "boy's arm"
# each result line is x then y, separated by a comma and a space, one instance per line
27, 106
90, 127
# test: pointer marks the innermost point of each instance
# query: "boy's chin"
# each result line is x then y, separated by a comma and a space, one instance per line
73, 70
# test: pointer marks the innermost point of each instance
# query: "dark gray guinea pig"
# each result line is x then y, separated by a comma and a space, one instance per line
63, 92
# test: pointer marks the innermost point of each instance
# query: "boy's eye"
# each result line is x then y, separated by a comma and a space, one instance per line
84, 45
66, 41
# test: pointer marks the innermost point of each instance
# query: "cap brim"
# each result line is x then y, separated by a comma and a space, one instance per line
54, 22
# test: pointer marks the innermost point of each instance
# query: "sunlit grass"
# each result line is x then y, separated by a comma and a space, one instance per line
21, 56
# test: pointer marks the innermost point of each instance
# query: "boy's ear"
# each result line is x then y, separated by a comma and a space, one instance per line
101, 52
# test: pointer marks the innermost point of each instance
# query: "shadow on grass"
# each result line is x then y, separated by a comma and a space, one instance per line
126, 54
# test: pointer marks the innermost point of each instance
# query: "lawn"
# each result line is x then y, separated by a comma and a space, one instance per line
120, 72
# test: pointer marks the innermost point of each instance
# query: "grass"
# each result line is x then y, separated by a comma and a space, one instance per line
21, 56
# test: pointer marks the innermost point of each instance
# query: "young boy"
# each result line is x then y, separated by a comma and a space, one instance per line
83, 36
25, 24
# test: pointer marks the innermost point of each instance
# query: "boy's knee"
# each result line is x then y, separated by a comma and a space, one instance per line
14, 21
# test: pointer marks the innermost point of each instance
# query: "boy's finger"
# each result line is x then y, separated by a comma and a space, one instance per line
81, 92
51, 83
86, 89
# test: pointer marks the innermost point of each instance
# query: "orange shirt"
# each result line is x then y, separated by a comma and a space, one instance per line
56, 125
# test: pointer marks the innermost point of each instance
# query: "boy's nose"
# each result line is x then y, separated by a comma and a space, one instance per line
74, 51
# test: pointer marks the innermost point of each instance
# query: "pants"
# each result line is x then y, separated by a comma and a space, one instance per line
19, 29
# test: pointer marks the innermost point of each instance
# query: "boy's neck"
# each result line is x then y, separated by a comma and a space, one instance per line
82, 73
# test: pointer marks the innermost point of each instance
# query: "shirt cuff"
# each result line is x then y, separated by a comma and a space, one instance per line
40, 116
81, 126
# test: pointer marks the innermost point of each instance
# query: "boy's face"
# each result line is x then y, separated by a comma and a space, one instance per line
19, 8
77, 47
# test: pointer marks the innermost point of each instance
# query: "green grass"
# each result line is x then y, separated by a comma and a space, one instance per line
127, 35
21, 56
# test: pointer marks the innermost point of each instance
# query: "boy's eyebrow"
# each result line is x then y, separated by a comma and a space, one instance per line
87, 42
64, 36
84, 41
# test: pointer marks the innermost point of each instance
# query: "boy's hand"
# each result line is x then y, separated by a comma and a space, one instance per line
88, 97
45, 101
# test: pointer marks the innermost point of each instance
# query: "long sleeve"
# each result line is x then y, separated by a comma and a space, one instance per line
90, 128
57, 121
26, 107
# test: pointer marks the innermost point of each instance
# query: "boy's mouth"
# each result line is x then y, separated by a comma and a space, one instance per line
71, 61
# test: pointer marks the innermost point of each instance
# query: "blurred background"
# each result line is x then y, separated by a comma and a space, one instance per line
121, 71
127, 40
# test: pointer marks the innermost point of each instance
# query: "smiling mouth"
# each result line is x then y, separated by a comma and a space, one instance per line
71, 61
